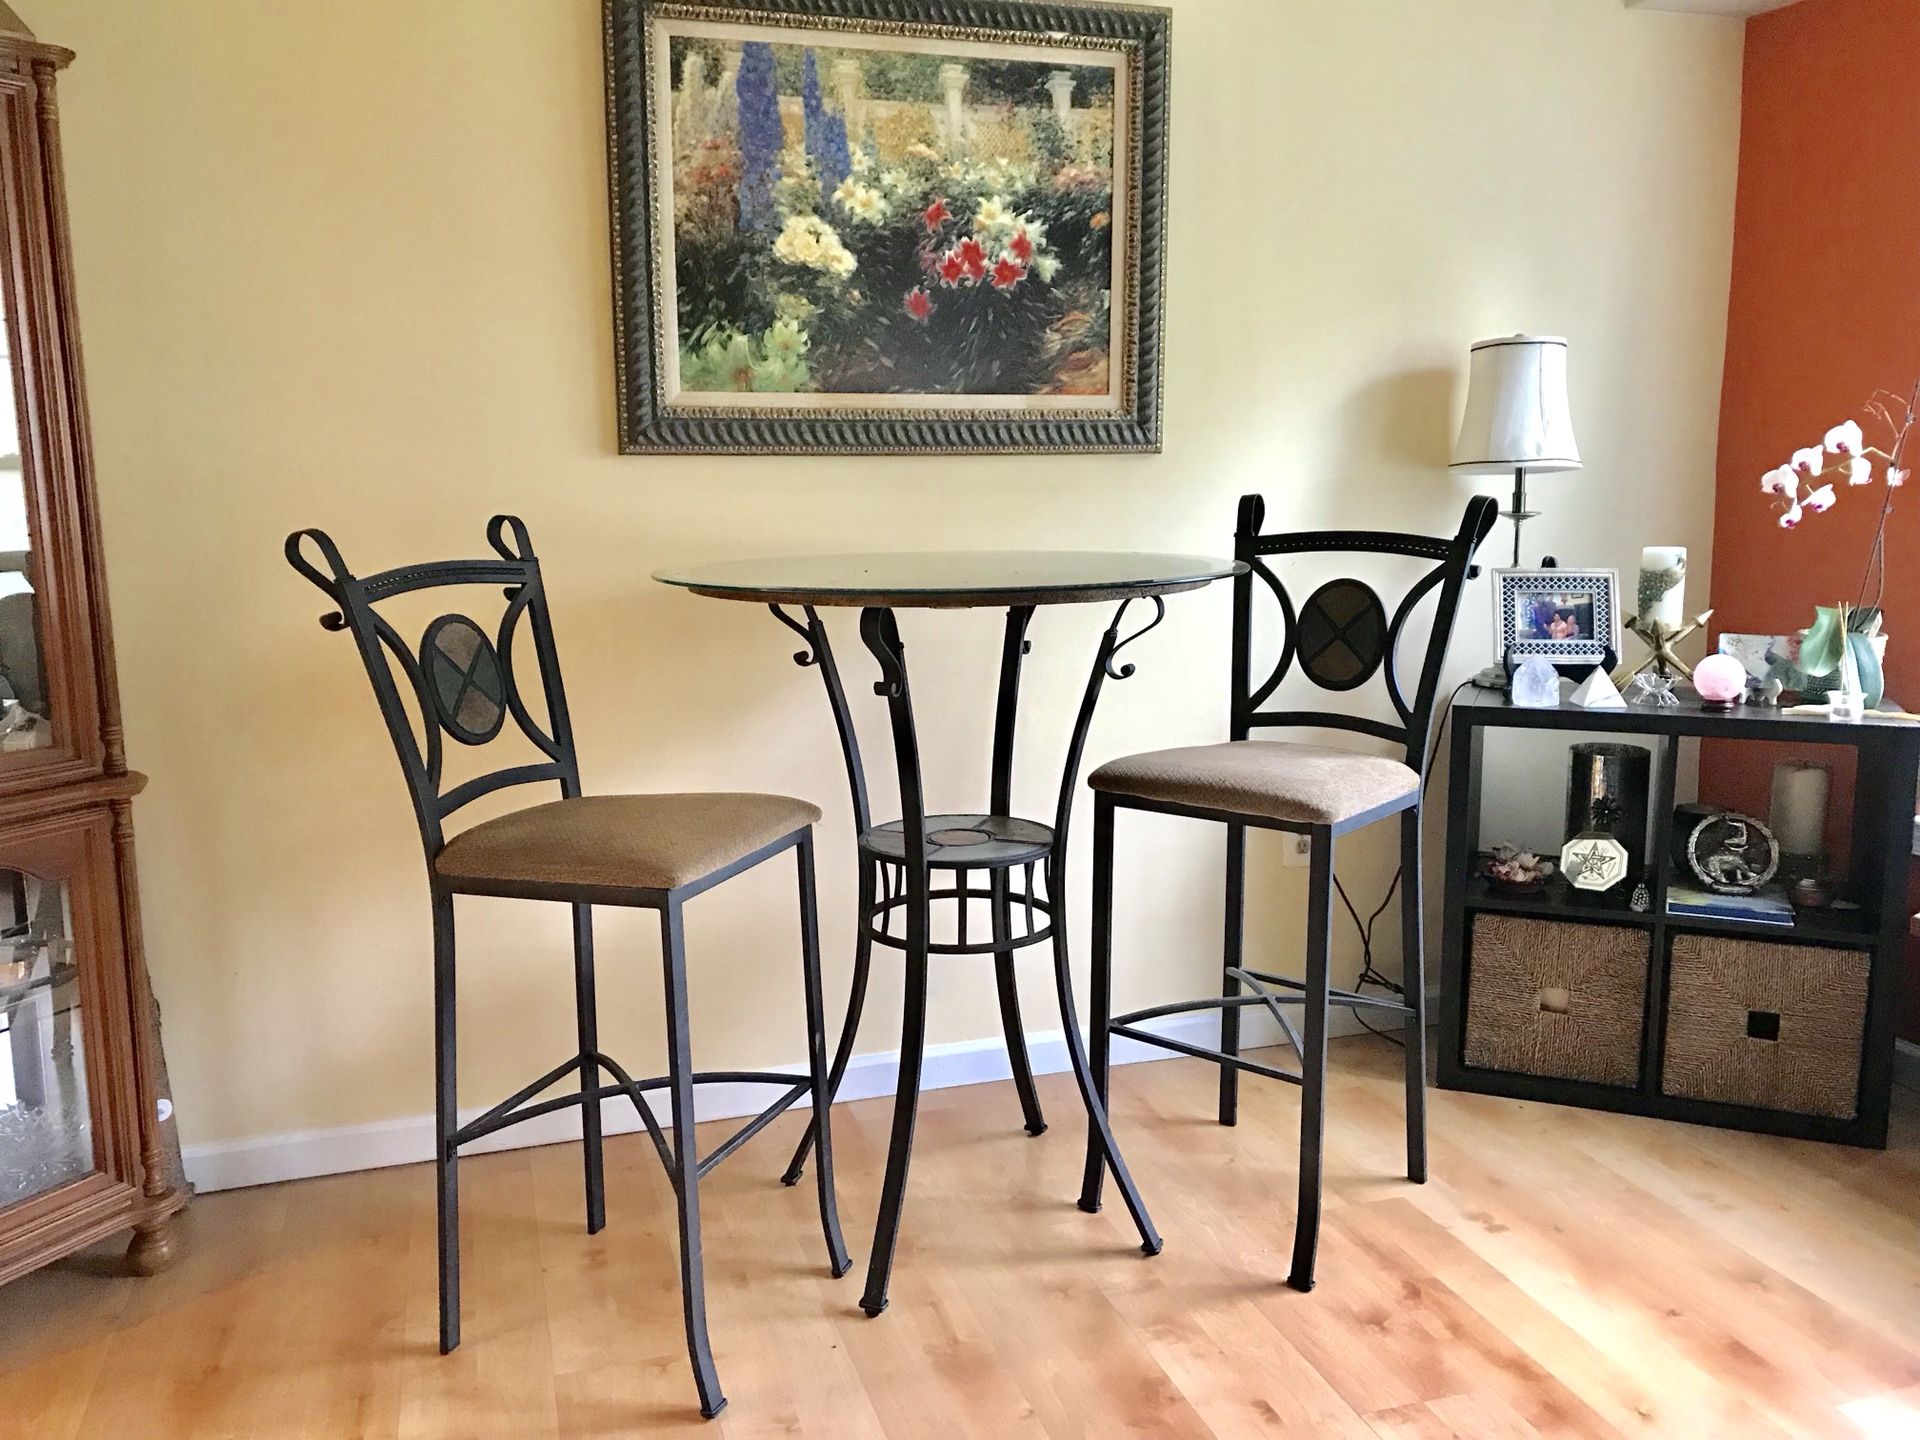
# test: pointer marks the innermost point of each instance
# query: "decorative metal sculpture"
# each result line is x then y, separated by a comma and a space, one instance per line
1733, 854
1660, 640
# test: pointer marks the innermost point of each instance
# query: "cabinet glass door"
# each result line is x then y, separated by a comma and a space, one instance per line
25, 710
46, 1129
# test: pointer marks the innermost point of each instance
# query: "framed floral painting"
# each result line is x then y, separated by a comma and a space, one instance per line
886, 226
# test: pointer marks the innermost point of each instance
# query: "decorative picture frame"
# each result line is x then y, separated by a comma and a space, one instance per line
1571, 617
886, 226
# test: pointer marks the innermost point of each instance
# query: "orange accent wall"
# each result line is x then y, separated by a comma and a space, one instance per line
1825, 309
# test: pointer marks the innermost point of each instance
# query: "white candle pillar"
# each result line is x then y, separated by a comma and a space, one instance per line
1798, 814
1663, 585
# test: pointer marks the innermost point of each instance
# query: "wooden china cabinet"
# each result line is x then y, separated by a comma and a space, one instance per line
81, 1154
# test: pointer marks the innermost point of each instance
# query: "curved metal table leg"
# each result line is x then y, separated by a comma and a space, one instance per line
1008, 983
1101, 1146
882, 636
819, 1128
1014, 646
849, 1028
1100, 1132
819, 653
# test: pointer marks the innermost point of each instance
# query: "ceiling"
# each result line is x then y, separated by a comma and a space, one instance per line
1711, 7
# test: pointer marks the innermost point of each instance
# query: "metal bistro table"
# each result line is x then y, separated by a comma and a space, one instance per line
899, 859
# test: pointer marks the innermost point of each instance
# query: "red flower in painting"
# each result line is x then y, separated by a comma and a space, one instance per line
1007, 273
935, 213
919, 304
1021, 246
952, 268
973, 257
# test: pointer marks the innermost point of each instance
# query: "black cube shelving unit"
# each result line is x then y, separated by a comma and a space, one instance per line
1887, 761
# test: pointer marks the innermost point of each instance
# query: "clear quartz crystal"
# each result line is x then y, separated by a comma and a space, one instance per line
1536, 684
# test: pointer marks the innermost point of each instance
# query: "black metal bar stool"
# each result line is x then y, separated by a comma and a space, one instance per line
1341, 637
652, 852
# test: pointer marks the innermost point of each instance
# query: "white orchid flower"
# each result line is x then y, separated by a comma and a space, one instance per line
1791, 518
1810, 461
1821, 500
1846, 439
1782, 481
1896, 478
1860, 471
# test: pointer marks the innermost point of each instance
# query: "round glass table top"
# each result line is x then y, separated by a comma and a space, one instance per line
949, 578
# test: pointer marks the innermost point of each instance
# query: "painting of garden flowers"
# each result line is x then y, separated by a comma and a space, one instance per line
887, 222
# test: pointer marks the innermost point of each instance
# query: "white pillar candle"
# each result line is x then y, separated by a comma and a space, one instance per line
1663, 585
1798, 816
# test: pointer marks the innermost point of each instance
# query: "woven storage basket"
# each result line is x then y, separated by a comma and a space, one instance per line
1774, 1026
1514, 1019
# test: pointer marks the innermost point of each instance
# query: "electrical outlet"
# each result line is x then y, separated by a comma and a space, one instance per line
1298, 852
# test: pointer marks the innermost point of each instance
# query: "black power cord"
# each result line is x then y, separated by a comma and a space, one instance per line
1369, 973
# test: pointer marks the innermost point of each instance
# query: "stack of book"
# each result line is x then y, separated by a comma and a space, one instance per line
1766, 906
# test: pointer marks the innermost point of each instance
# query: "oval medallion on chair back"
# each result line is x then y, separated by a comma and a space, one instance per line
1343, 635
464, 679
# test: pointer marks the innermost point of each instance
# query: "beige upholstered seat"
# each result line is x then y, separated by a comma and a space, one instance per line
1272, 779
642, 842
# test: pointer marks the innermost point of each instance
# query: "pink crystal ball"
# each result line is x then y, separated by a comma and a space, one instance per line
1720, 679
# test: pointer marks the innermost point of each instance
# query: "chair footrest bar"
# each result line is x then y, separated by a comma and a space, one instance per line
654, 1133
1273, 1003
1252, 1067
1334, 997
505, 1114
1186, 1007
515, 1108
752, 1128
490, 1122
710, 1077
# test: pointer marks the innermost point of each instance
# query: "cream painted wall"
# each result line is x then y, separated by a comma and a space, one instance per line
346, 265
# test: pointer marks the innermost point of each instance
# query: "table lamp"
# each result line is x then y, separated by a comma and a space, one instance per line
1517, 417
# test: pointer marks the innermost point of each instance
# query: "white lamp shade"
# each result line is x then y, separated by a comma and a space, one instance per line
1517, 413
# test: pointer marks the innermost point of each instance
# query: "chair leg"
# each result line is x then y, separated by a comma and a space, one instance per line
822, 1126
588, 1024
1009, 986
1313, 1062
446, 1121
1100, 1133
1413, 979
906, 1104
686, 1157
850, 1027
1099, 1038
1230, 960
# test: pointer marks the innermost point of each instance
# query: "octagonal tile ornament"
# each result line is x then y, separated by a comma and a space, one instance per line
1593, 861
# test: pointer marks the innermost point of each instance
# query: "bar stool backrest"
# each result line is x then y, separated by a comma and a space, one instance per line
1341, 636
461, 681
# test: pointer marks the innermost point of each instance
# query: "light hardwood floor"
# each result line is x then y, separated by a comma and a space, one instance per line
1564, 1273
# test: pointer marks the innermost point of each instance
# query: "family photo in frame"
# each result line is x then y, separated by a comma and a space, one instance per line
1570, 617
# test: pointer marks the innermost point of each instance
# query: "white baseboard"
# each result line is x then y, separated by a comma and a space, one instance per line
300, 1154
1906, 1064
